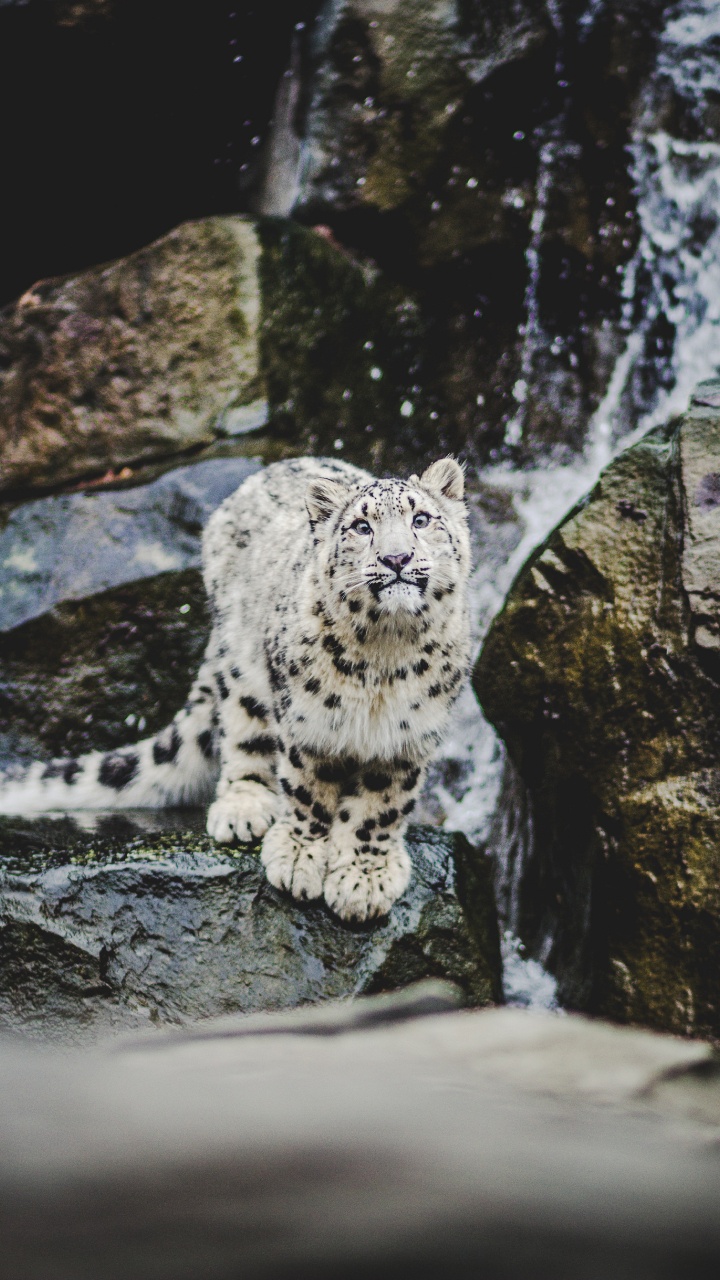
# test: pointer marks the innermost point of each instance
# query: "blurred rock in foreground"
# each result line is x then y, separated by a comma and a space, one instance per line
128, 920
496, 1144
602, 674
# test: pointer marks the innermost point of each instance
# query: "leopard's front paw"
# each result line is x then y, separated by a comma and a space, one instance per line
364, 886
243, 813
293, 864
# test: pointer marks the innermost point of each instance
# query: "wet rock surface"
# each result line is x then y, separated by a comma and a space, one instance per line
138, 919
601, 675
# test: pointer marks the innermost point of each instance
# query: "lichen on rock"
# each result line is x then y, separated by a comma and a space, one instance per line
601, 674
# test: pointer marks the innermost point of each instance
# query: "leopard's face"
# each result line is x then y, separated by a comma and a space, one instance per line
395, 547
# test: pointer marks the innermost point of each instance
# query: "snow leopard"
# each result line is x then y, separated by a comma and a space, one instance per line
339, 644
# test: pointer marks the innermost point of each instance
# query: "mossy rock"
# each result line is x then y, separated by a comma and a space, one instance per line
601, 674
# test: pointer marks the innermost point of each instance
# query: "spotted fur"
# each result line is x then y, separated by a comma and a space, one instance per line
339, 645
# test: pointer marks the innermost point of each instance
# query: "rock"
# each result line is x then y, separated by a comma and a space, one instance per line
97, 673
390, 80
224, 327
458, 1144
134, 533
343, 350
601, 674
130, 920
129, 164
479, 154
139, 359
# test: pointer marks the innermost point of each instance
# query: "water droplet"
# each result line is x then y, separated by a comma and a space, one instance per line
471, 182
184, 608
347, 394
434, 416
338, 444
375, 373
479, 399
518, 135
130, 719
142, 723
361, 182
407, 408
520, 390
368, 346
436, 206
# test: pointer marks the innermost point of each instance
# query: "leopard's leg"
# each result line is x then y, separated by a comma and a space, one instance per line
369, 865
295, 850
246, 800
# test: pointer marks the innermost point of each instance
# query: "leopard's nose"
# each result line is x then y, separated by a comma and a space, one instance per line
397, 562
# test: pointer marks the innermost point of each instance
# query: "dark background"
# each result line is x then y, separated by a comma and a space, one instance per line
122, 118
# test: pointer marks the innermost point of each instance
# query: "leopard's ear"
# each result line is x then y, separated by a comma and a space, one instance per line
323, 497
446, 478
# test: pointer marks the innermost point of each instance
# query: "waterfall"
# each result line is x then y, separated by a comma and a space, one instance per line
671, 322
672, 284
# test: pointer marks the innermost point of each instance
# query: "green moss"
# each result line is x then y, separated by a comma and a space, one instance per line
341, 353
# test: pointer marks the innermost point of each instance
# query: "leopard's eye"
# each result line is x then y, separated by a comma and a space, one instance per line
421, 520
361, 526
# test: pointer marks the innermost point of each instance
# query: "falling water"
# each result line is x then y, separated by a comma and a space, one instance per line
671, 320
672, 284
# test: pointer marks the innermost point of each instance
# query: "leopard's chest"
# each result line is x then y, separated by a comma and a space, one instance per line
343, 704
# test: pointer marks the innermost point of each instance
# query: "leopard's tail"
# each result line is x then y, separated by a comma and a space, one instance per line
179, 766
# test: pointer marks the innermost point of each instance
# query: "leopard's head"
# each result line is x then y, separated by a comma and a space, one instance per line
392, 548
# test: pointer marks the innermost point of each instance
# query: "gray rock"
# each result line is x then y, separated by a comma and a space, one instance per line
72, 546
121, 921
499, 1143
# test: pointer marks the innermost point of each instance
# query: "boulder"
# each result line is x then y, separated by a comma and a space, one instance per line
131, 920
103, 616
144, 357
223, 327
134, 533
98, 672
363, 1142
601, 674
